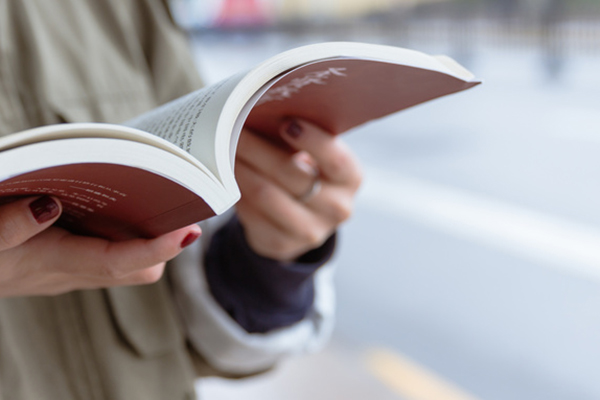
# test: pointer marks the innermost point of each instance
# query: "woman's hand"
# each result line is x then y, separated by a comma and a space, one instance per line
293, 201
38, 259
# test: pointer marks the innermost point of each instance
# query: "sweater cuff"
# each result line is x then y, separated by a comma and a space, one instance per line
259, 293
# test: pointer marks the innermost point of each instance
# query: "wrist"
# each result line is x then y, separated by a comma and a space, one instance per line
261, 293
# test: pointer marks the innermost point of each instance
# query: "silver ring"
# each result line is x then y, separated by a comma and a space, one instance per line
312, 191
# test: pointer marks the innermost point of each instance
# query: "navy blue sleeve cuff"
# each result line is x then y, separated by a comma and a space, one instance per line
260, 293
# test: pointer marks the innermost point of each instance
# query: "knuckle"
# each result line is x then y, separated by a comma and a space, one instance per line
345, 168
338, 164
161, 256
341, 212
279, 247
260, 192
108, 268
357, 178
110, 271
149, 275
311, 237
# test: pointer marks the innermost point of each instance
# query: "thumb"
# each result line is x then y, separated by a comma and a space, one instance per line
25, 218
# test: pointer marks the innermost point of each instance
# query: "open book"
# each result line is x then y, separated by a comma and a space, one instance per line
173, 166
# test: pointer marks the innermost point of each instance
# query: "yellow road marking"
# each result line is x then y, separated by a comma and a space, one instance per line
410, 380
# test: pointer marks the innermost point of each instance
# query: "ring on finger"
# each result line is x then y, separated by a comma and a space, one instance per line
312, 191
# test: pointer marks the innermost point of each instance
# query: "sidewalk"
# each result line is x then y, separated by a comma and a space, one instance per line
337, 373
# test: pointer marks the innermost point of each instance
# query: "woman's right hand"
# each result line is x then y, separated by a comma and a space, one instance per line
39, 259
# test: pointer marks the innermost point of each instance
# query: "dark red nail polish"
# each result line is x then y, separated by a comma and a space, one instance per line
44, 209
189, 239
293, 129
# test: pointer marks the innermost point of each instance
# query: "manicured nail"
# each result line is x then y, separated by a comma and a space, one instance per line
189, 239
293, 129
44, 209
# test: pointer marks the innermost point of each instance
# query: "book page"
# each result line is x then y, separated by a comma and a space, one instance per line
190, 121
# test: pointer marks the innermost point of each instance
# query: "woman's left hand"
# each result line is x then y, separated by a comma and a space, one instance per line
292, 202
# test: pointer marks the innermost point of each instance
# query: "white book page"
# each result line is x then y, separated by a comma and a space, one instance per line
190, 122
96, 130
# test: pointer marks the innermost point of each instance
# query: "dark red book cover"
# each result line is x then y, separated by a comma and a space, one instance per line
112, 201
343, 93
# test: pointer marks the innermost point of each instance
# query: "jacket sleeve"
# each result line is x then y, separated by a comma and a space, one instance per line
221, 341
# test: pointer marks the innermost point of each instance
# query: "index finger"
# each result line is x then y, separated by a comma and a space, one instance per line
335, 160
89, 256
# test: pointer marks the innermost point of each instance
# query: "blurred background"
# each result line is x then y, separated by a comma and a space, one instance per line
471, 269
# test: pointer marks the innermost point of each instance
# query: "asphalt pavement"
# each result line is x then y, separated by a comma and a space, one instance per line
472, 265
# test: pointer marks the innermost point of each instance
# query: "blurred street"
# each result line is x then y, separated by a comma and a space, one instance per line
474, 252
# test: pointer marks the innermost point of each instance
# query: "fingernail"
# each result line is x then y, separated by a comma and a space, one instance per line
189, 239
44, 209
293, 129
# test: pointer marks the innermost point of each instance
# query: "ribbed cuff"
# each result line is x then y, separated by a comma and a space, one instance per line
260, 293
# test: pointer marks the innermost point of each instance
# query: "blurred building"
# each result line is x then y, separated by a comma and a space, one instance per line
559, 27
289, 9
260, 13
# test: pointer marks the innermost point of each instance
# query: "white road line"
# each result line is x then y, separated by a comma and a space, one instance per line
410, 380
572, 247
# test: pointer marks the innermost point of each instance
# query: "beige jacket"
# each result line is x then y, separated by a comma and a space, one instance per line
91, 60
110, 60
